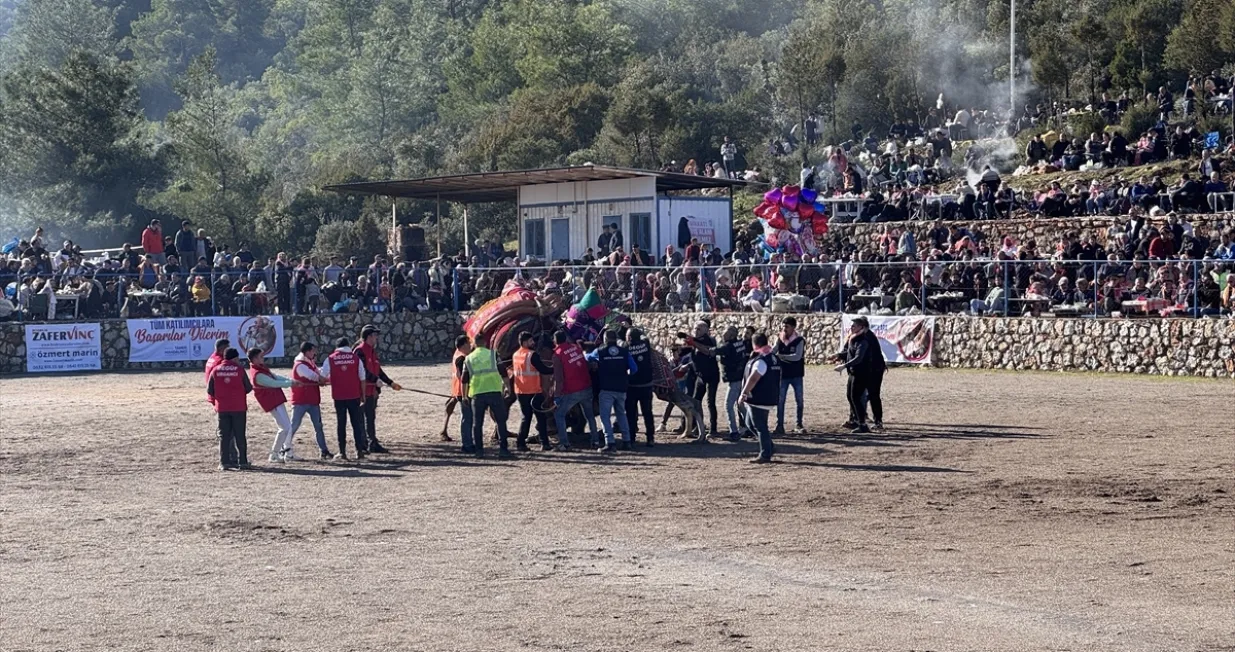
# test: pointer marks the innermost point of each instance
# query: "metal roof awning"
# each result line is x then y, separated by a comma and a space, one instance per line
504, 186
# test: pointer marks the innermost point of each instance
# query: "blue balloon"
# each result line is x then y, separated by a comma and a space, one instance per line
809, 195
821, 208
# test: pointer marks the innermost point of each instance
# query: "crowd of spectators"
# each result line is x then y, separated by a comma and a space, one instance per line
1169, 265
1172, 268
911, 171
909, 174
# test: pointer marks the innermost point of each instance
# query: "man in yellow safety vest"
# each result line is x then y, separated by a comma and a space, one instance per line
485, 382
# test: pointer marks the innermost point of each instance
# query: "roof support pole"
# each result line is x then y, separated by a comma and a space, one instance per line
467, 236
439, 226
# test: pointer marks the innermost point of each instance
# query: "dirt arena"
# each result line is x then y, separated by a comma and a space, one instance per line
1000, 511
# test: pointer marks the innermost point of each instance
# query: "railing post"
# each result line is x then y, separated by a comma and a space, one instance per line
1095, 289
214, 305
840, 289
703, 290
923, 284
454, 283
1006, 296
1196, 291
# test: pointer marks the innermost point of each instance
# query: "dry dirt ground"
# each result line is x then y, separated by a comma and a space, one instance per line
1000, 511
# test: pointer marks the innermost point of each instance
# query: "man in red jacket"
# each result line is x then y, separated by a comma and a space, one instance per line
346, 374
220, 349
268, 390
572, 382
152, 242
228, 386
307, 395
374, 376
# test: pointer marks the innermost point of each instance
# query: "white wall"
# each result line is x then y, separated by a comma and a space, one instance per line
585, 205
707, 216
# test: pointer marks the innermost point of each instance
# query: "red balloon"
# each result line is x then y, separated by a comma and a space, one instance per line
768, 211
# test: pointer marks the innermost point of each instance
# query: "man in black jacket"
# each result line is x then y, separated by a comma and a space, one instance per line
639, 391
734, 354
790, 350
863, 359
707, 373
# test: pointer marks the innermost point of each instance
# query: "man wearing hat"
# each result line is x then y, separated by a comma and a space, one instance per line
374, 376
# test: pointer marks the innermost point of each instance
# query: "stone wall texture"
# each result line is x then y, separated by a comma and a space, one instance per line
405, 338
1167, 347
1045, 231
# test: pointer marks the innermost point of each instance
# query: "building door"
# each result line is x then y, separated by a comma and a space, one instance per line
639, 232
560, 238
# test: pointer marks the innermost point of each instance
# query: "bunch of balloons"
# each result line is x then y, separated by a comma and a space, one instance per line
792, 218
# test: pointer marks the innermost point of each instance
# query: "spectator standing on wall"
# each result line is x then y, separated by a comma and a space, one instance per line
728, 156
605, 242
244, 255
152, 242
333, 271
283, 283
615, 240
186, 243
203, 246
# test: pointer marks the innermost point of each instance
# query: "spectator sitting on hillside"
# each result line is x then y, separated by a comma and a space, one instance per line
1215, 189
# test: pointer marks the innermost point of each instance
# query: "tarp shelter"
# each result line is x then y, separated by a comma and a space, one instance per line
561, 211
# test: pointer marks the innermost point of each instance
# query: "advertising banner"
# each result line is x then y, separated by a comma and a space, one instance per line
904, 340
192, 339
63, 347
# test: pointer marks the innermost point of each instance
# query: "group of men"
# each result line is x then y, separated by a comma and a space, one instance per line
546, 376
352, 372
616, 379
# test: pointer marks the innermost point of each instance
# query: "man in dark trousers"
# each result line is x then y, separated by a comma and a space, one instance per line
791, 349
734, 354
615, 237
707, 373
344, 371
374, 376
603, 242
863, 359
532, 377
482, 375
614, 367
639, 392
228, 386
760, 393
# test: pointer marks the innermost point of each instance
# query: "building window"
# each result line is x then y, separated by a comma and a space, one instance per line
640, 232
534, 237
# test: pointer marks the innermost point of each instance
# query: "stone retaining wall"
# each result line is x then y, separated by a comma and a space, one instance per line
1045, 231
1166, 347
425, 336
1169, 347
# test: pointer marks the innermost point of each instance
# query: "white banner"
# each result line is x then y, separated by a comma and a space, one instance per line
63, 347
192, 339
904, 340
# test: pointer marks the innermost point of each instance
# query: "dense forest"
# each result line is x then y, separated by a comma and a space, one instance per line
234, 113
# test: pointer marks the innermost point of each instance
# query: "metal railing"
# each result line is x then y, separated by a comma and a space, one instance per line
974, 286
